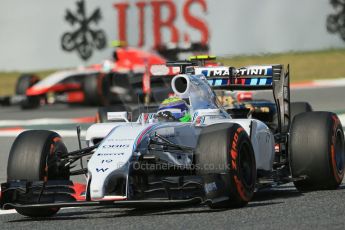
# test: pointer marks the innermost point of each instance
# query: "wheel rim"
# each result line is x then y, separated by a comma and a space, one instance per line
246, 165
52, 170
339, 152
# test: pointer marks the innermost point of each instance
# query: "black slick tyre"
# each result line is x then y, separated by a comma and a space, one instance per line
24, 82
225, 159
96, 89
28, 159
299, 107
317, 151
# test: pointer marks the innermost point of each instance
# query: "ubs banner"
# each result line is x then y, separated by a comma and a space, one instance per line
46, 34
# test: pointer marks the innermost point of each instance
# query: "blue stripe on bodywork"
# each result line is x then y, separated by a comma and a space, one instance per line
269, 72
254, 81
218, 82
262, 81
269, 81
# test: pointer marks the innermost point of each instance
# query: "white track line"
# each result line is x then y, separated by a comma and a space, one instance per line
4, 212
330, 83
63, 133
42, 121
12, 211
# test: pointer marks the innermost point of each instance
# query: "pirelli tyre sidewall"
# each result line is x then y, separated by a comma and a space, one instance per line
231, 182
317, 151
28, 160
241, 166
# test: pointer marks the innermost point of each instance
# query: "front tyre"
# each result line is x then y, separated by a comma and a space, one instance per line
317, 151
28, 159
225, 159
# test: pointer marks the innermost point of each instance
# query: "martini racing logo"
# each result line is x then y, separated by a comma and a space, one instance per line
255, 70
210, 72
84, 38
230, 71
219, 72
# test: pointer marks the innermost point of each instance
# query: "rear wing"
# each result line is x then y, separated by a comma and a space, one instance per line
230, 78
256, 77
272, 77
265, 77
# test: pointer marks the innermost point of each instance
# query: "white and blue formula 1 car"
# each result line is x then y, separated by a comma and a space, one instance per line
214, 159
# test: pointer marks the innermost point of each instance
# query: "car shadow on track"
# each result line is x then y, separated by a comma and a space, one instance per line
97, 213
272, 194
284, 192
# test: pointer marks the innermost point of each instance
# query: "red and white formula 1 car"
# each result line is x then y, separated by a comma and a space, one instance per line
122, 79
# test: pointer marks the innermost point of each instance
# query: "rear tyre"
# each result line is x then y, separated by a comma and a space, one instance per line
299, 107
24, 82
227, 166
97, 89
317, 151
28, 159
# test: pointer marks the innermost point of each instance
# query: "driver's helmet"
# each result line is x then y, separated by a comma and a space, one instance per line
174, 109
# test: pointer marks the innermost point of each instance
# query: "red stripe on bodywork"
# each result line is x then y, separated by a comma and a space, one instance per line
142, 134
80, 193
75, 97
79, 189
244, 96
84, 120
33, 91
146, 83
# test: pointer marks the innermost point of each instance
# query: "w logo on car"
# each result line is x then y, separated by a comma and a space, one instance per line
101, 169
84, 39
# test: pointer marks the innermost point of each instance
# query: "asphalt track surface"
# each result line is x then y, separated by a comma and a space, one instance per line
281, 208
